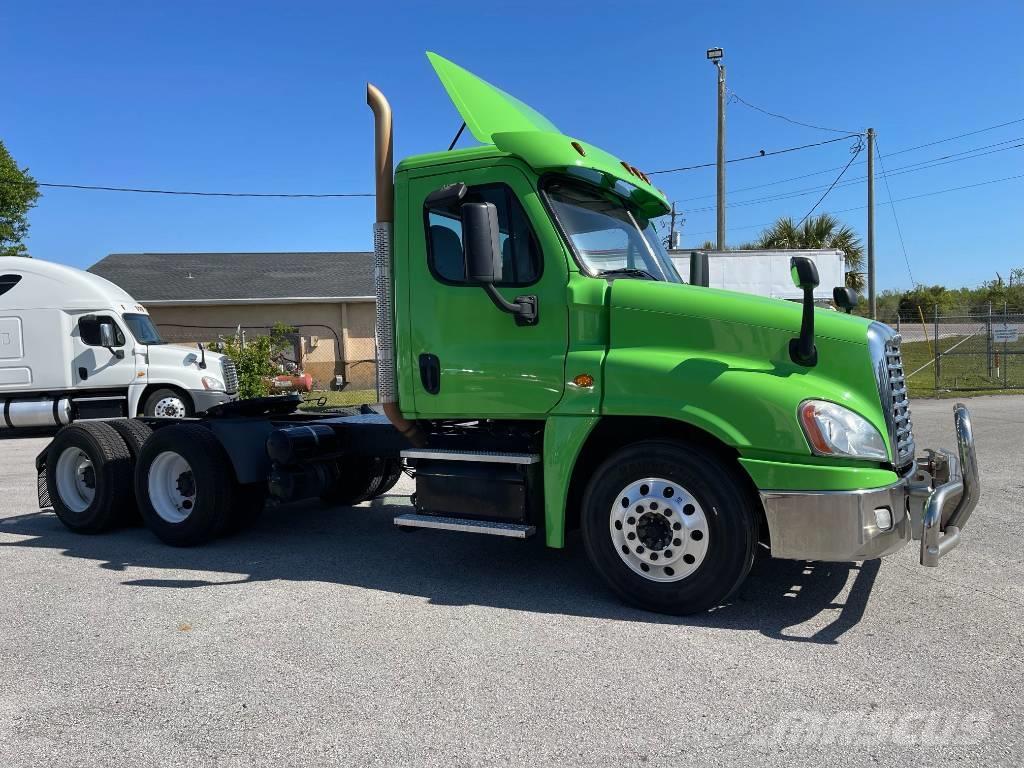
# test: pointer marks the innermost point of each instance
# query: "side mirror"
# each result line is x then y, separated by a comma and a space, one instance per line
481, 242
805, 277
107, 338
481, 245
804, 272
845, 298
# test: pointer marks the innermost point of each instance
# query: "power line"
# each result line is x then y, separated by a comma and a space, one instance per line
735, 97
899, 171
899, 229
853, 157
183, 192
897, 200
761, 154
895, 171
958, 136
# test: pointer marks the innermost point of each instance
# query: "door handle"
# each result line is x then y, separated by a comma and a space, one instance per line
430, 373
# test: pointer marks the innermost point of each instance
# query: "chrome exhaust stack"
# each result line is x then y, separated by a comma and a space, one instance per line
384, 180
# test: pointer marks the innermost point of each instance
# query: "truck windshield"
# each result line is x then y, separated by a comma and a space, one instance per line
609, 238
142, 329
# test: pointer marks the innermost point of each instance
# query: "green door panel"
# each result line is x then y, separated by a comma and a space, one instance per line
490, 366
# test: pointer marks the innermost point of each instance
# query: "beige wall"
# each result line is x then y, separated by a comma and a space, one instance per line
344, 333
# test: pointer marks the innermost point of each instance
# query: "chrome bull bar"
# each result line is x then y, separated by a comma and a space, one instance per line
940, 531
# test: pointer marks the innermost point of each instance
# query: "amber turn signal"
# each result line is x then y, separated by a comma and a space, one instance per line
583, 380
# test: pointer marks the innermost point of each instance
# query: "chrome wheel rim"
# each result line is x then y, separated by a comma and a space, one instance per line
659, 529
172, 489
170, 408
76, 479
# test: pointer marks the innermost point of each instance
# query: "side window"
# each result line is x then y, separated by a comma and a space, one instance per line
7, 282
521, 255
89, 330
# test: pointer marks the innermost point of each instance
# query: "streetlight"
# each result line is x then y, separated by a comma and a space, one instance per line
715, 56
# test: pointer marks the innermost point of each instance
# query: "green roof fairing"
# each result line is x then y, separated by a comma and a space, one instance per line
495, 117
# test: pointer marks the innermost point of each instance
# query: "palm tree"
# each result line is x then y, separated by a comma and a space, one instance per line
822, 231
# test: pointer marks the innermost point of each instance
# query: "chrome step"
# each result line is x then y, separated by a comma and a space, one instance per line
512, 530
451, 454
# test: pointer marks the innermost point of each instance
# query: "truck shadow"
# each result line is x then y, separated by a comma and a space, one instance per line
361, 547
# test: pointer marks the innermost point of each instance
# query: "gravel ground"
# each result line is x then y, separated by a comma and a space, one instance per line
324, 636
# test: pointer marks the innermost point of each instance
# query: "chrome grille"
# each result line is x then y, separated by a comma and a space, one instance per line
892, 390
901, 428
227, 366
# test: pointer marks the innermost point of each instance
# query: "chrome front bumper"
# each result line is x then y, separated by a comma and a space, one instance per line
932, 502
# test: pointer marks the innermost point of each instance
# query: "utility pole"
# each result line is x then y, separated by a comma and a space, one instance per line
672, 229
872, 303
715, 56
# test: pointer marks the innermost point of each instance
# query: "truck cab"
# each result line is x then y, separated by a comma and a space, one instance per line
73, 345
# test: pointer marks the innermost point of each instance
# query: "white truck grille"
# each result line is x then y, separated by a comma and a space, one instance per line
230, 375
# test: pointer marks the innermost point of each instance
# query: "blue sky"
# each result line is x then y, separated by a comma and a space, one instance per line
269, 96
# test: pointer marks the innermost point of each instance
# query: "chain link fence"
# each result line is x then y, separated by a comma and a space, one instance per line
341, 367
963, 349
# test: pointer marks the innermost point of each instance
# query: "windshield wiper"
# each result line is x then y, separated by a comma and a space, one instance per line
627, 272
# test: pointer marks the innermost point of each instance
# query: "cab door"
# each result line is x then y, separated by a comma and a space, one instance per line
470, 359
94, 365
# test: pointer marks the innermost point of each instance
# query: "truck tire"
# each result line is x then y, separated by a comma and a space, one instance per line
135, 433
185, 485
360, 480
669, 528
168, 404
89, 476
388, 479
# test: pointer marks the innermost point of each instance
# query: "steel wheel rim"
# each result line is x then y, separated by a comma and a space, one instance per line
169, 408
76, 479
171, 486
659, 529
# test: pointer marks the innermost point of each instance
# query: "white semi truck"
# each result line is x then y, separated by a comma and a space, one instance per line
73, 345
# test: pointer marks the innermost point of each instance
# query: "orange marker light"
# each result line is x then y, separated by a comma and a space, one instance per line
584, 380
578, 147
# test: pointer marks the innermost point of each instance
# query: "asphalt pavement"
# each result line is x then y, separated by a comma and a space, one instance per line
327, 637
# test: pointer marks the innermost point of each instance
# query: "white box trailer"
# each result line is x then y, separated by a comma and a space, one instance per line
766, 273
73, 345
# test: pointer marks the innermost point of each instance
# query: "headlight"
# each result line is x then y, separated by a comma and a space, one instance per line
209, 382
836, 431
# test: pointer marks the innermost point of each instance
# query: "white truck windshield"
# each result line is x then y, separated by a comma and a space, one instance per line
142, 329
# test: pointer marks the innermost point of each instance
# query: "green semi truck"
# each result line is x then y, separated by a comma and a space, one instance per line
543, 368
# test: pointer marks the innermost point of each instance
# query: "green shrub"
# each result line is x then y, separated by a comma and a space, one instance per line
252, 359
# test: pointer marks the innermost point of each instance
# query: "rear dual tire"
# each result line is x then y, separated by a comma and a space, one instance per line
88, 469
184, 485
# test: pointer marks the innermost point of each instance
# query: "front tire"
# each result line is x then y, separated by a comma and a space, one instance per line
184, 485
88, 477
669, 528
168, 404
